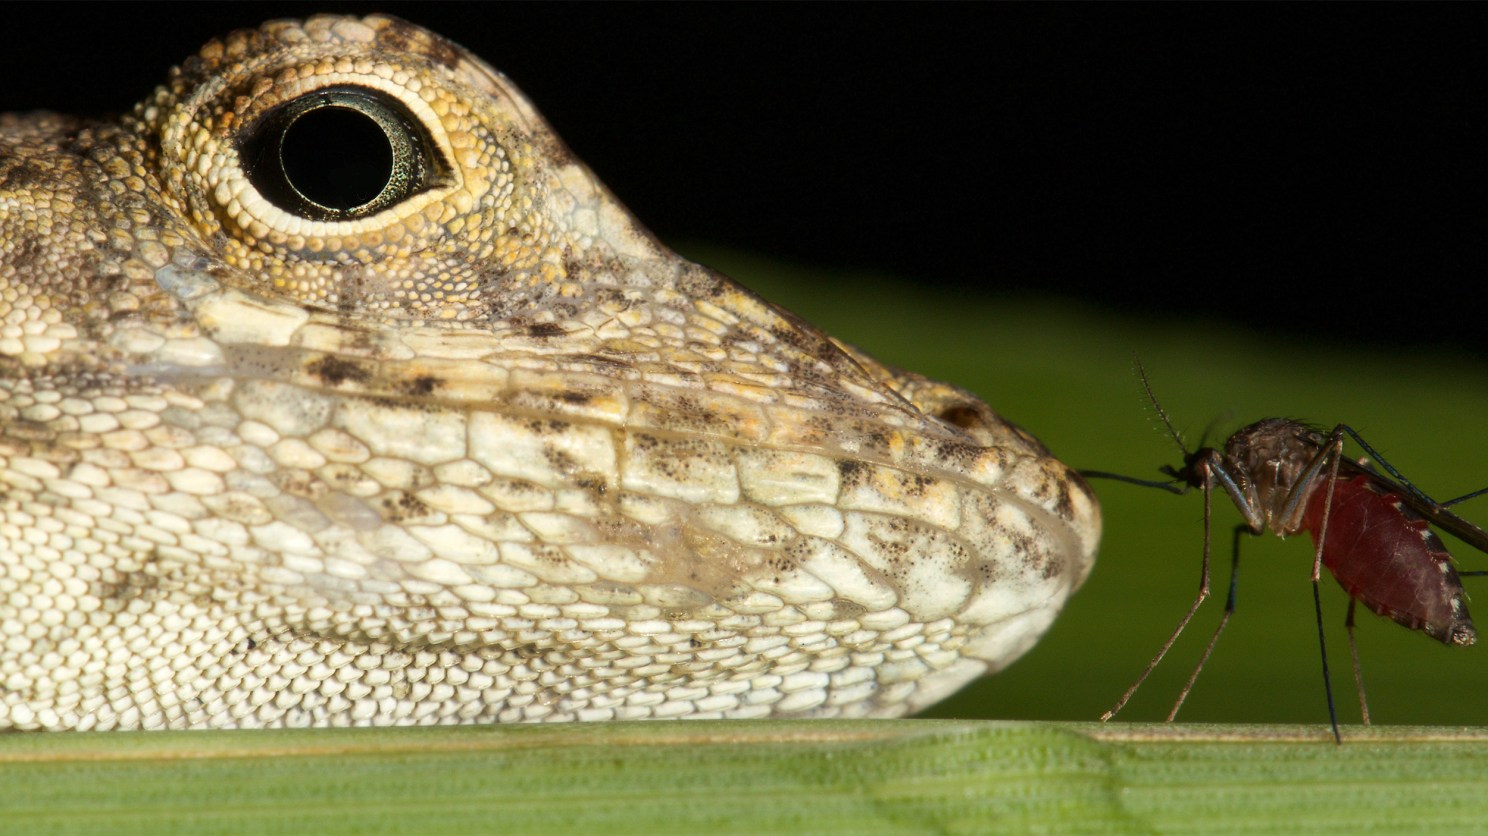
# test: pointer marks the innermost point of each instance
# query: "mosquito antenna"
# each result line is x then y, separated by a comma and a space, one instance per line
1161, 413
1177, 484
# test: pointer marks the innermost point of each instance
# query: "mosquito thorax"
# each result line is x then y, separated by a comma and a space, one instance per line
1267, 460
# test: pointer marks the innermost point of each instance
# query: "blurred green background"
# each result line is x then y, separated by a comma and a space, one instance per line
1065, 372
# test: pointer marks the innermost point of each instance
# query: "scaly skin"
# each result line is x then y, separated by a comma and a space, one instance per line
487, 453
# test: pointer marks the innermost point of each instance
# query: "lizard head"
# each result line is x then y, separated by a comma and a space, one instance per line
331, 350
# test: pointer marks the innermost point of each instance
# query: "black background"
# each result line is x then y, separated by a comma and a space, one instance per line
1311, 169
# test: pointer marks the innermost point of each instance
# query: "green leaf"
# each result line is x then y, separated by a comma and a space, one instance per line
798, 777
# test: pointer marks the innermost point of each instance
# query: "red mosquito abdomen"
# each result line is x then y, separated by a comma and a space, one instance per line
1387, 557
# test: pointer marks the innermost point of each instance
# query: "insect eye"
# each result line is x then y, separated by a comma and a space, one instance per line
338, 154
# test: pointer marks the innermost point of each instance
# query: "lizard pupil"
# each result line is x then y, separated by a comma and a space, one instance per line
339, 154
336, 157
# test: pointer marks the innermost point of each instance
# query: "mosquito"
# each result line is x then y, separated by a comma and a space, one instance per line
1371, 529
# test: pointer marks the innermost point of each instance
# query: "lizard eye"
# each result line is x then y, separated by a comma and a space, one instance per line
339, 153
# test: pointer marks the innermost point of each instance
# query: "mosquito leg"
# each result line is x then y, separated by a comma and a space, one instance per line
1188, 616
1317, 602
1224, 619
1358, 672
1465, 497
1390, 469
1317, 598
1384, 463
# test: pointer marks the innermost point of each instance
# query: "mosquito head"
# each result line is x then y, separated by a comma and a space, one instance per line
1192, 474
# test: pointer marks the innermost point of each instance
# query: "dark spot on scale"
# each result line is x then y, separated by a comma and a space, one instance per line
382, 402
595, 485
403, 38
850, 468
553, 150
560, 460
702, 284
787, 335
572, 266
575, 398
545, 330
612, 296
420, 386
843, 608
351, 284
1063, 505
956, 451
989, 571
333, 371
918, 484
402, 506
895, 551
599, 360
22, 177
1034, 557
1052, 568
27, 253
824, 427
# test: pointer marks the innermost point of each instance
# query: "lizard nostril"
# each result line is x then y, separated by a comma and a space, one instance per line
961, 415
339, 153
